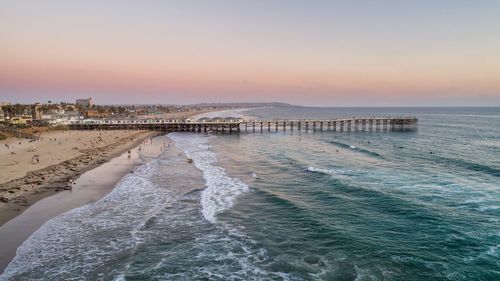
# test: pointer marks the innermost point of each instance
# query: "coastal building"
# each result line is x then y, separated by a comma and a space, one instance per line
21, 120
63, 118
57, 110
2, 115
84, 102
37, 112
92, 113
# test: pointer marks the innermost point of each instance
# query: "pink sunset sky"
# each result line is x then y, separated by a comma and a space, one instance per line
319, 53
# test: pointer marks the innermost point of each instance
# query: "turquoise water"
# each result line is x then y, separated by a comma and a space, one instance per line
294, 206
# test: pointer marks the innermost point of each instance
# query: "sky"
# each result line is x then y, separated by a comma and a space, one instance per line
306, 52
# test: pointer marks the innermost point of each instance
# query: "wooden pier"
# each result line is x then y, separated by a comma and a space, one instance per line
235, 125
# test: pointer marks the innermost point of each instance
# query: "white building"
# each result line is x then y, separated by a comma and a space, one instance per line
62, 118
84, 102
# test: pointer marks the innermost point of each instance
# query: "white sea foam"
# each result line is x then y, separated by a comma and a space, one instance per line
489, 208
221, 190
326, 171
77, 242
318, 170
493, 250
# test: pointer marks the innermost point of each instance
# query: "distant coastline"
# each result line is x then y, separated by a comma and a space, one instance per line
236, 113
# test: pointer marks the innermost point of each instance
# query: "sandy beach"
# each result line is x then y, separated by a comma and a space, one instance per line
35, 175
30, 171
89, 187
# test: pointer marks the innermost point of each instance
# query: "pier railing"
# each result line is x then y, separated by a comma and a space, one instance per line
239, 125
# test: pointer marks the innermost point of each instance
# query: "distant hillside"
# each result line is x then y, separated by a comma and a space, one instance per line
248, 104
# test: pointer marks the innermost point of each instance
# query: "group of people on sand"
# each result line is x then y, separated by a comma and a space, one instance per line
70, 184
11, 146
35, 159
146, 143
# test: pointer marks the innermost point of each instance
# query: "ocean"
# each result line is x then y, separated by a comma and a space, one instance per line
415, 205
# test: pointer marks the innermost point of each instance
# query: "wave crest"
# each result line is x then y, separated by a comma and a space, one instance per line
326, 171
358, 149
221, 190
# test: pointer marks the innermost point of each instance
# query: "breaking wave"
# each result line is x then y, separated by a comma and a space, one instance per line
327, 171
358, 149
221, 190
78, 242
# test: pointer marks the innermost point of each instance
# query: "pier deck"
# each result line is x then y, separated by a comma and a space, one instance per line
234, 125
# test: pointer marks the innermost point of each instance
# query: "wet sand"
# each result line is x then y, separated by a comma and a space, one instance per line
89, 187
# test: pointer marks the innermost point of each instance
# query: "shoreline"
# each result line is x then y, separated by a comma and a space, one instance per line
23, 215
90, 186
19, 194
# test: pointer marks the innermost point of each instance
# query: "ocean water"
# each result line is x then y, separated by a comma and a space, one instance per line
294, 206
